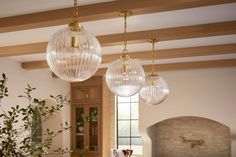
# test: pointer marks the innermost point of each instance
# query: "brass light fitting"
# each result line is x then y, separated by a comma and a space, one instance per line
192, 142
125, 56
125, 14
75, 26
153, 41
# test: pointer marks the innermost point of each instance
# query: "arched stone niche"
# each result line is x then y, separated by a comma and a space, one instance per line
190, 137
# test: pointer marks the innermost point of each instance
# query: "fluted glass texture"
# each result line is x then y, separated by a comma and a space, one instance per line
155, 90
73, 63
125, 77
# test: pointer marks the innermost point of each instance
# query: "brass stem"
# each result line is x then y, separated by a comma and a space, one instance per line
153, 41
125, 31
153, 47
76, 12
75, 26
125, 14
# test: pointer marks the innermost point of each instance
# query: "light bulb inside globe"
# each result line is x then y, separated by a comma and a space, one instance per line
125, 72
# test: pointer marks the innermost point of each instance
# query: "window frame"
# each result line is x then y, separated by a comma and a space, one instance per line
130, 120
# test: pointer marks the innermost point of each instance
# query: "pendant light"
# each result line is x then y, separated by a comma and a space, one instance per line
155, 90
125, 76
73, 54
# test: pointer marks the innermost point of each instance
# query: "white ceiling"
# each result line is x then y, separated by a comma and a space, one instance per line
19, 7
202, 15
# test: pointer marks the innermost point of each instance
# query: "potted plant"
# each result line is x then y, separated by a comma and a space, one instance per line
21, 126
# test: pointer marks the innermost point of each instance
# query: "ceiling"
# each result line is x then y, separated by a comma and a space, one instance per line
153, 20
20, 7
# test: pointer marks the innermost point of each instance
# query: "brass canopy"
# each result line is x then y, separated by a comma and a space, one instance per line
125, 13
153, 40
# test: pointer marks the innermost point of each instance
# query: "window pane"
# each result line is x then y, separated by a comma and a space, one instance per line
123, 99
124, 128
135, 98
134, 128
124, 111
124, 141
137, 149
134, 111
136, 141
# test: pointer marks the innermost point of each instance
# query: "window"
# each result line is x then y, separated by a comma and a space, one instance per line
128, 136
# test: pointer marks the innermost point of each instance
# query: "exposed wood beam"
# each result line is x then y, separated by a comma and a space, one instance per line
178, 52
99, 11
34, 65
162, 54
25, 49
185, 32
185, 66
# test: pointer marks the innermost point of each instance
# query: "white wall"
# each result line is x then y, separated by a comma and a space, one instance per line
41, 79
209, 93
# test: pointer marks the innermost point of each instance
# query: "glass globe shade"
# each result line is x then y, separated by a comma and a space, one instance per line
73, 63
155, 90
125, 77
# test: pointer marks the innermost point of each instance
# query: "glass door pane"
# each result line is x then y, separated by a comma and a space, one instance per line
79, 128
93, 129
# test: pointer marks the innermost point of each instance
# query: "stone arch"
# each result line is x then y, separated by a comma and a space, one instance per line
190, 136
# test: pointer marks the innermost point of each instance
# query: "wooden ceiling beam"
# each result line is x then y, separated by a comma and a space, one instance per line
162, 54
26, 49
185, 32
178, 52
98, 11
34, 65
184, 66
165, 34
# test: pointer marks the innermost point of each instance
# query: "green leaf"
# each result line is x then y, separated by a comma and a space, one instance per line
3, 76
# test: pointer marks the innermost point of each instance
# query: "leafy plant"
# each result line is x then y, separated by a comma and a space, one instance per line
87, 119
18, 127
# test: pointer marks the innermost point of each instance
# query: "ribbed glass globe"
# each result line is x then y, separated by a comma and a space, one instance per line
76, 62
155, 90
125, 77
